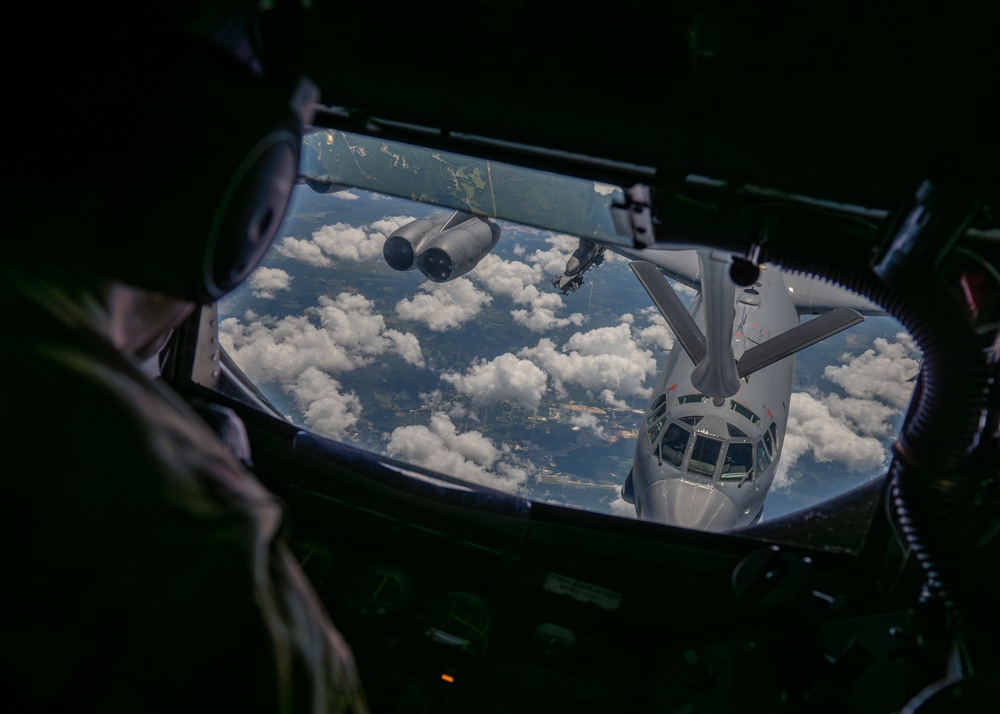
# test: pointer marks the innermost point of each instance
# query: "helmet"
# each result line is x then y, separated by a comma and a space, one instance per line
170, 129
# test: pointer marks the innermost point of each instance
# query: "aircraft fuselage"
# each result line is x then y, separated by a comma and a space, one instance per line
708, 463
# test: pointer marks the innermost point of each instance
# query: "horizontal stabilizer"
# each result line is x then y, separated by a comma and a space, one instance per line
797, 338
670, 306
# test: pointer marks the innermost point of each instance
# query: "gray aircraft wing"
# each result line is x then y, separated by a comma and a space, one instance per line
681, 323
810, 295
797, 338
695, 344
813, 296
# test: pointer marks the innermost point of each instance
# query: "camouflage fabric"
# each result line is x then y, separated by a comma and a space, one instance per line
144, 568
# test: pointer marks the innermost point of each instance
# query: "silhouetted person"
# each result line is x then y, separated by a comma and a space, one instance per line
144, 568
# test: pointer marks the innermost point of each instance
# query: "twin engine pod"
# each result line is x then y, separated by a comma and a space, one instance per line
443, 247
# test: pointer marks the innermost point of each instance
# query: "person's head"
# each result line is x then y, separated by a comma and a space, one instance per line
141, 321
163, 150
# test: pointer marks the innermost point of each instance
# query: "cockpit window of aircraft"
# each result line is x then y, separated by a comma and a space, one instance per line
448, 314
673, 446
744, 412
739, 462
704, 456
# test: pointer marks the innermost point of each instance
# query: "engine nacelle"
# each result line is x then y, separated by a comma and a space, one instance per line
402, 246
324, 186
443, 247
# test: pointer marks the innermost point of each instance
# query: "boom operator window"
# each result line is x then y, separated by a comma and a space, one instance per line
259, 329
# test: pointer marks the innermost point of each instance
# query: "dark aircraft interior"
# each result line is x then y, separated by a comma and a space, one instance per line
843, 139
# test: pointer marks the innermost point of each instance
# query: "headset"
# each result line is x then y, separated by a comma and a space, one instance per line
214, 141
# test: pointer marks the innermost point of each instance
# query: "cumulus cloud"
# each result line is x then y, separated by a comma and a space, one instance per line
656, 335
609, 399
517, 280
814, 430
552, 261
435, 401
620, 507
264, 282
586, 420
600, 359
336, 335
442, 306
469, 455
880, 373
304, 251
325, 409
358, 244
686, 292
543, 319
505, 277
865, 416
850, 430
349, 242
504, 378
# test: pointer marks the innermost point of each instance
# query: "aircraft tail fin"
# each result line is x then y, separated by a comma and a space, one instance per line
684, 327
797, 338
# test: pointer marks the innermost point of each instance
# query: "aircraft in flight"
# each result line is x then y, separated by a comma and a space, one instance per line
588, 255
443, 247
709, 443
852, 144
816, 125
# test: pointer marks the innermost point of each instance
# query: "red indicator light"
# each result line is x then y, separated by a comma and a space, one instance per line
672, 388
447, 678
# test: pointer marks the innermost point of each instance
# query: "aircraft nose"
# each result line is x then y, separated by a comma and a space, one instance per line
689, 505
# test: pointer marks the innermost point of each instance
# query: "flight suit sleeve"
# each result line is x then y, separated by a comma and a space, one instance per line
151, 575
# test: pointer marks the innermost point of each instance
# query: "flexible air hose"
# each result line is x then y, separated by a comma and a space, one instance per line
935, 487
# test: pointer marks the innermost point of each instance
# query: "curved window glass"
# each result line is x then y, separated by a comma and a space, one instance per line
738, 463
536, 369
692, 399
763, 458
655, 429
743, 411
656, 411
674, 444
704, 456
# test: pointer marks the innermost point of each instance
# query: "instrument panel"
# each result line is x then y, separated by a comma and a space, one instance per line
570, 622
